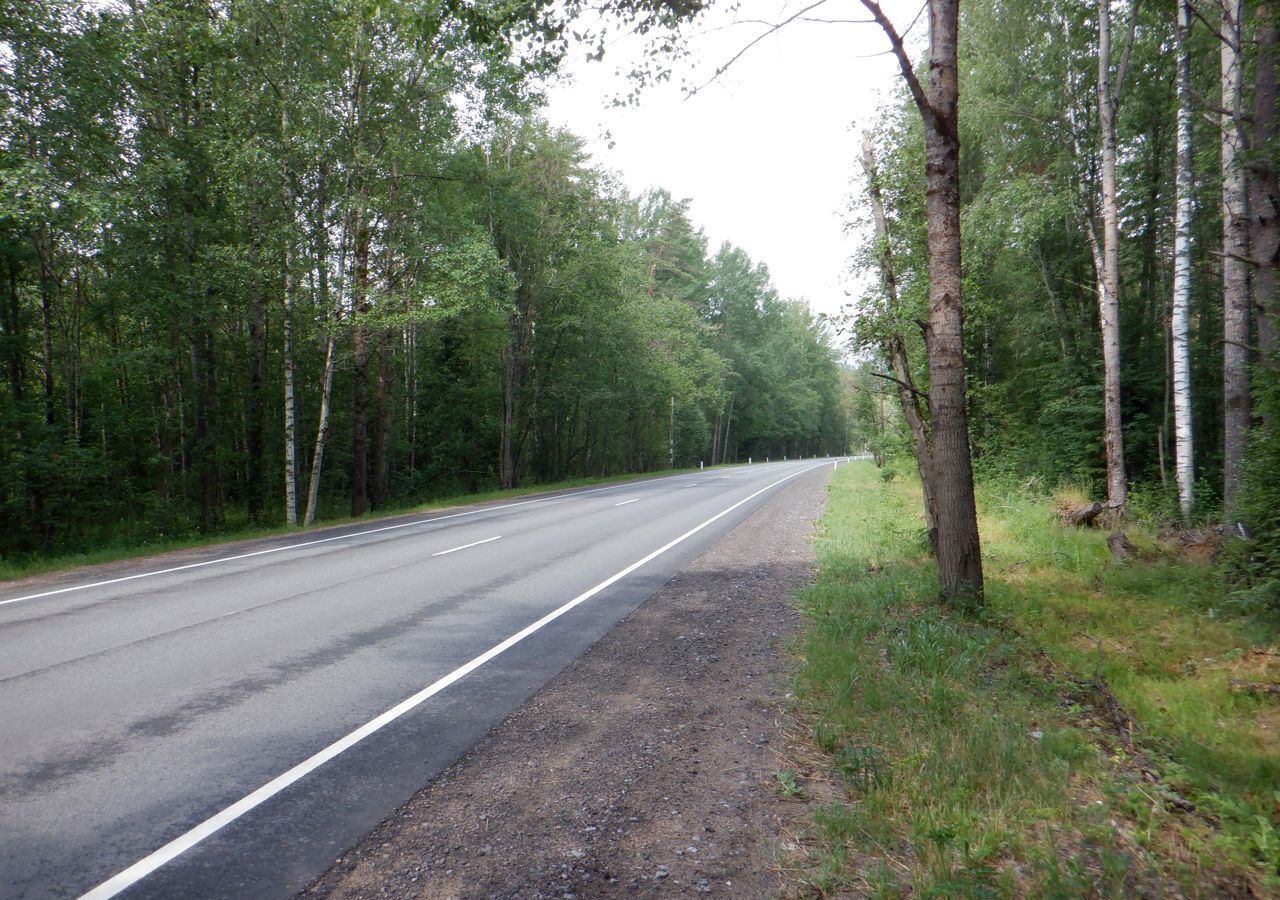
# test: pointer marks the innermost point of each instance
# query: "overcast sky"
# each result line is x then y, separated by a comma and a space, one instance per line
766, 152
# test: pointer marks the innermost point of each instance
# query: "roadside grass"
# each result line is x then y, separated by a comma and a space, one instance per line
1077, 738
124, 545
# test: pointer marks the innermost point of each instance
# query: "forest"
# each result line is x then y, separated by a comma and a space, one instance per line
1120, 224
264, 263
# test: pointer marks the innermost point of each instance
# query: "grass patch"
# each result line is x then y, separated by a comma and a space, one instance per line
26, 565
1077, 738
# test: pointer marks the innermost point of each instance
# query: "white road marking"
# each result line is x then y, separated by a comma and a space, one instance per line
695, 484
340, 537
465, 546
625, 502
181, 844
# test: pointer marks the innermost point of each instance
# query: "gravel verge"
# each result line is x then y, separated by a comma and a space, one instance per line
647, 767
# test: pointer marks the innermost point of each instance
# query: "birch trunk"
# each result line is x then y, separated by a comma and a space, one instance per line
322, 433
895, 349
1109, 281
1235, 265
321, 240
1180, 318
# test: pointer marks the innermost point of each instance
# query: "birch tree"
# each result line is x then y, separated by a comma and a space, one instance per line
1181, 306
1109, 264
1235, 258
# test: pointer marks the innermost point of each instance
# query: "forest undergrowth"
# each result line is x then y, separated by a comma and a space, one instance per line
1092, 732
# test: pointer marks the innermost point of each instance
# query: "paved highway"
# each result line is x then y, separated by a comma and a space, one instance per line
225, 724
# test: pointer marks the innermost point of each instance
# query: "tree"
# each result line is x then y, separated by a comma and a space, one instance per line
895, 347
1181, 306
958, 548
1108, 260
1235, 258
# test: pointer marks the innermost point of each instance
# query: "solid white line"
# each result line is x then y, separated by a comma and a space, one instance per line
340, 537
625, 502
466, 546
179, 845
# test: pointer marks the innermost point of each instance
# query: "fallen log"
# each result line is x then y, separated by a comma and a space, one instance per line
1257, 688
1081, 516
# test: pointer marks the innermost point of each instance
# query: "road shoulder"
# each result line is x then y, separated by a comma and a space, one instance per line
647, 766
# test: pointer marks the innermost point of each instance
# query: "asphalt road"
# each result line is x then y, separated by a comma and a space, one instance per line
224, 725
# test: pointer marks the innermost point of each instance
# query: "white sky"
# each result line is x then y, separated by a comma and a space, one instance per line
767, 151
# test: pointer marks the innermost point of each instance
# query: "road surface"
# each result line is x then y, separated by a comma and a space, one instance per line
223, 725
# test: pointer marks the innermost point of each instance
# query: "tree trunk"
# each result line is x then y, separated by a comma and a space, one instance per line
360, 365
895, 349
382, 424
1235, 265
1180, 319
1264, 187
959, 551
1109, 294
14, 338
286, 328
322, 432
728, 422
256, 412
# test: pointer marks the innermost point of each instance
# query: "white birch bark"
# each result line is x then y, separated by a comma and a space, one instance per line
322, 433
1109, 284
1235, 265
1180, 324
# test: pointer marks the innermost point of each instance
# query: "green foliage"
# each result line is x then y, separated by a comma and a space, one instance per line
1030, 197
499, 309
976, 758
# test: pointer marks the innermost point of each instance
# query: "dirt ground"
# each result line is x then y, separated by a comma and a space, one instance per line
645, 768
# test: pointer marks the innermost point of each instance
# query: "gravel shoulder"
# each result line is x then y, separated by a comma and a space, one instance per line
645, 768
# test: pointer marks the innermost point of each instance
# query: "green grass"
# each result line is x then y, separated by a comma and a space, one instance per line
971, 756
26, 565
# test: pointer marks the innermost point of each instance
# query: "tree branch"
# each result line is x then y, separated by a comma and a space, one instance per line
1213, 29
1127, 54
757, 39
903, 385
904, 62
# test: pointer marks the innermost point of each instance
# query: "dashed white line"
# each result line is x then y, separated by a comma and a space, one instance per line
339, 537
215, 823
466, 546
694, 484
625, 502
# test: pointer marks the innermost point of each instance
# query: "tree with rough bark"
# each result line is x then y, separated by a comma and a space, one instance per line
1264, 186
958, 548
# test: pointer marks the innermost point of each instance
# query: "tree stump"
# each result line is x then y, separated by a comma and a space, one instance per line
1120, 547
1081, 516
